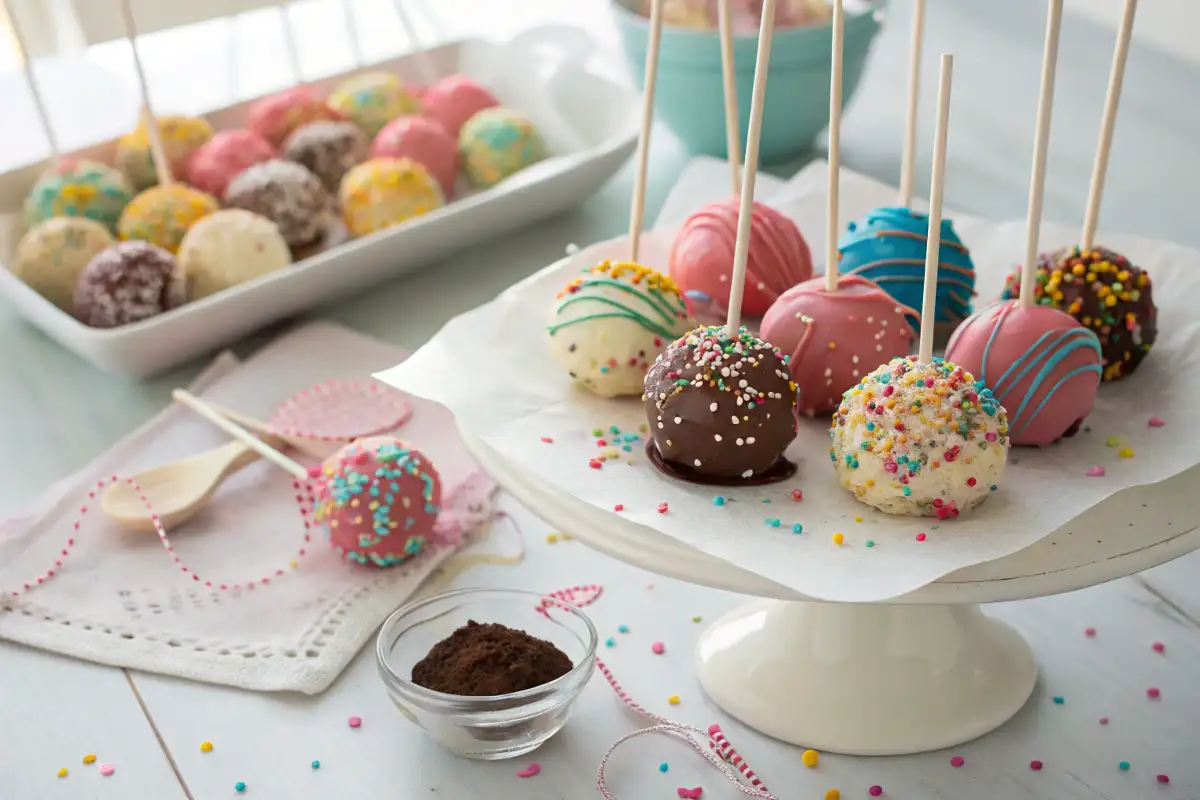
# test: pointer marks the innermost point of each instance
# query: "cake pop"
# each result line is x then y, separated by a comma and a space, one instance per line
287, 194
888, 247
833, 338
181, 137
607, 326
372, 100
50, 256
230, 247
425, 142
224, 157
162, 215
379, 498
275, 117
496, 143
721, 409
328, 149
1106, 294
919, 439
453, 100
78, 188
387, 191
127, 283
1041, 365
702, 254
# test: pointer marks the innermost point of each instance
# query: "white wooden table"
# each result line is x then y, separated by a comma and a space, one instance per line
54, 710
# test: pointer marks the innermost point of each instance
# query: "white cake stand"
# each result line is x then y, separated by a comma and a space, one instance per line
920, 672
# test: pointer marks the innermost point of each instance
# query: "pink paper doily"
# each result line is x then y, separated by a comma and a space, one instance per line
341, 411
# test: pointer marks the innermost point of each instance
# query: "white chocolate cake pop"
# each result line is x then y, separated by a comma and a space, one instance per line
230, 247
922, 440
607, 326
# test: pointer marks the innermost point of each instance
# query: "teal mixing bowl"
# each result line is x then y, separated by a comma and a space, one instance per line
689, 95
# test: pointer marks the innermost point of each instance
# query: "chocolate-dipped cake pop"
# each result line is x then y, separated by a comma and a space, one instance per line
1107, 294
328, 149
721, 409
287, 194
127, 283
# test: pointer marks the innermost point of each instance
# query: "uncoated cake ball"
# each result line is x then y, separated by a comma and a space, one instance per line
287, 194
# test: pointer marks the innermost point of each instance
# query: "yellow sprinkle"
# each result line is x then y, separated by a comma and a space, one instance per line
206, 747
552, 538
566, 537
809, 758
1125, 452
673, 699
89, 758
858, 519
833, 794
293, 564
62, 773
838, 538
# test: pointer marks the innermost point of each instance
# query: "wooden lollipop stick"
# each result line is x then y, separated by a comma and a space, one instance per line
741, 249
909, 158
162, 167
733, 126
1091, 217
428, 74
1041, 143
290, 45
835, 150
39, 102
638, 207
186, 398
933, 247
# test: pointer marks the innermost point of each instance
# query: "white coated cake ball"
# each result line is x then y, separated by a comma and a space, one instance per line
230, 247
922, 440
607, 326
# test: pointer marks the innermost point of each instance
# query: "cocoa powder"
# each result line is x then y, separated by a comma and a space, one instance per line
483, 660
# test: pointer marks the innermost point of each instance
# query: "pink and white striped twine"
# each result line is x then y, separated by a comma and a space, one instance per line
701, 741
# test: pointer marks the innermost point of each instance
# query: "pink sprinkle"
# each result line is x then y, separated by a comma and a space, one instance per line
1153, 693
107, 769
314, 472
875, 791
1089, 631
1104, 720
957, 761
662, 508
920, 537
1156, 422
1158, 647
689, 794
355, 722
530, 771
1096, 472
1035, 765
548, 440
658, 648
797, 495
1162, 778
618, 507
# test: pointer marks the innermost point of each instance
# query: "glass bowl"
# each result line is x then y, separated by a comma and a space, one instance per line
487, 728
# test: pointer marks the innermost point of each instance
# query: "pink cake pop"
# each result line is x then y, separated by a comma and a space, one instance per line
380, 499
224, 157
453, 100
702, 253
425, 142
275, 116
834, 338
1039, 362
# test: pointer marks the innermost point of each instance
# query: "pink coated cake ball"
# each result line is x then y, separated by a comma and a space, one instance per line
701, 259
423, 141
833, 339
224, 157
379, 499
455, 99
1041, 364
275, 116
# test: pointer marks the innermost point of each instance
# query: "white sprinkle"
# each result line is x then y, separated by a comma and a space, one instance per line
735, 419
854, 359
722, 278
747, 473
878, 348
717, 436
870, 319
712, 407
750, 440
828, 371
678, 420
696, 462
883, 322
660, 424
740, 441
761, 285
724, 372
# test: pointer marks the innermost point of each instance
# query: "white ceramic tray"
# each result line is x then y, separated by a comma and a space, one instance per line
589, 121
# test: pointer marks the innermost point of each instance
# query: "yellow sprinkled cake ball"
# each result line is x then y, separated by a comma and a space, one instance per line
162, 215
181, 136
372, 100
496, 143
385, 192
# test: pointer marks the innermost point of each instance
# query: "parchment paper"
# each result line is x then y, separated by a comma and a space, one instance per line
491, 368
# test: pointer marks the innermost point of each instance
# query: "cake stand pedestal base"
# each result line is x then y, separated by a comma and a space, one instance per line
864, 679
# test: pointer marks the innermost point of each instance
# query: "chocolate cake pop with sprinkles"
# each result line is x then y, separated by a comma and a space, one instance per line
289, 195
127, 283
1107, 294
721, 409
607, 326
922, 440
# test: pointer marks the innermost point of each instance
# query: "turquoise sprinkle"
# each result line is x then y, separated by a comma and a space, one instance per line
1058, 701
316, 765
797, 528
614, 430
766, 500
604, 369
239, 787
907, 491
718, 500
772, 521
663, 767
610, 642
870, 543
623, 629
627, 448
1123, 766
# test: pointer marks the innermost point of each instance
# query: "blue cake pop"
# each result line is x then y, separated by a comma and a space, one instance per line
888, 247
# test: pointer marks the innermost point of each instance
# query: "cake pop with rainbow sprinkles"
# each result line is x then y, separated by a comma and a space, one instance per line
497, 143
379, 499
608, 325
78, 188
